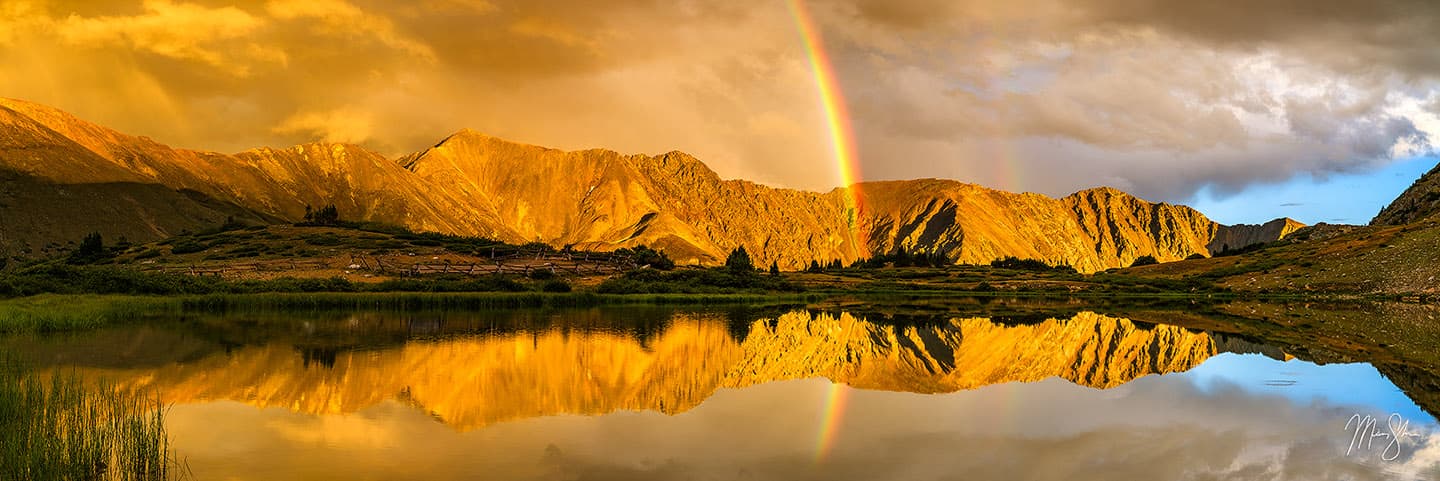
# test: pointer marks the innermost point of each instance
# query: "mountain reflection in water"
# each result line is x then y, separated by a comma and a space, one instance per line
697, 397
472, 381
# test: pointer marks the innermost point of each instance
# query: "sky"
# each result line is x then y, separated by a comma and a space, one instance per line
1240, 107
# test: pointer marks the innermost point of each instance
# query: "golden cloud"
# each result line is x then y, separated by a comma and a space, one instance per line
176, 30
343, 125
338, 17
1122, 92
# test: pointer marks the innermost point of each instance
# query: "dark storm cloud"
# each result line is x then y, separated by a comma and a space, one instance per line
1348, 34
1160, 97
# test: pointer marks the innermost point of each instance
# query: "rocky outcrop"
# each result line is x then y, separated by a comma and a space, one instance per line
100, 180
1418, 202
469, 382
1229, 237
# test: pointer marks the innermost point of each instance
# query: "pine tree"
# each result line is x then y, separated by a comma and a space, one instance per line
739, 262
91, 249
774, 269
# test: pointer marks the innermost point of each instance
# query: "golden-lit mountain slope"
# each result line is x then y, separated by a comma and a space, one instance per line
599, 199
52, 147
1092, 230
95, 179
470, 382
58, 185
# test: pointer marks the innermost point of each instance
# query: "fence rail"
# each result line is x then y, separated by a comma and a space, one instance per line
404, 265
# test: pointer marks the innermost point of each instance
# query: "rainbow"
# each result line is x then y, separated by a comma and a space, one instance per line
842, 143
833, 411
1006, 174
837, 117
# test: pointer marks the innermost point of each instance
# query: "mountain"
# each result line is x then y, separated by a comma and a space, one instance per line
473, 381
58, 184
1418, 202
599, 199
1092, 230
65, 177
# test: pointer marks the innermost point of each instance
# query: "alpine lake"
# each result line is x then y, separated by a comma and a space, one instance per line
965, 388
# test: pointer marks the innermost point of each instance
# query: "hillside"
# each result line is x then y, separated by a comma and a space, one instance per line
1377, 259
1395, 254
1419, 201
58, 167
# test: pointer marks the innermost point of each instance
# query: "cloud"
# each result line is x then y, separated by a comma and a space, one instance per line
1157, 427
342, 125
1041, 95
1353, 37
340, 18
176, 30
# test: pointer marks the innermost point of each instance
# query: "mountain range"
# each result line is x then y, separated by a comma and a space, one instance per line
62, 177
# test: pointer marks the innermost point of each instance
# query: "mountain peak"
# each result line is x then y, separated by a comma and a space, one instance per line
1104, 191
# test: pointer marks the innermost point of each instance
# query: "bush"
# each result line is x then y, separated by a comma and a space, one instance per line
616, 285
555, 285
326, 239
692, 281
187, 246
646, 256
66, 279
1144, 261
1028, 265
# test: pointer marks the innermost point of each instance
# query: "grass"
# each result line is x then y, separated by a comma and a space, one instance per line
57, 428
1368, 261
50, 312
53, 313
479, 300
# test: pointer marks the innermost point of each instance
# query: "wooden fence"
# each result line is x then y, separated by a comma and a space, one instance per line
579, 264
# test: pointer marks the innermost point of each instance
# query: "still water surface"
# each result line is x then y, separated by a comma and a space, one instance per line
646, 393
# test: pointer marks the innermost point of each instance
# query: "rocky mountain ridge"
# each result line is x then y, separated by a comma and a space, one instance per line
57, 167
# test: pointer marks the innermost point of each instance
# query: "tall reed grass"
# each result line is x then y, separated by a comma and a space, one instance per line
56, 427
